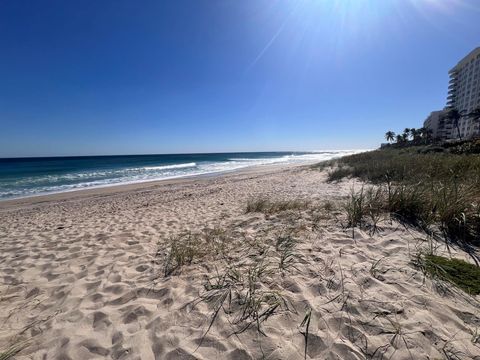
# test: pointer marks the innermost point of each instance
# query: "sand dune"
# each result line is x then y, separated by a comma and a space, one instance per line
83, 276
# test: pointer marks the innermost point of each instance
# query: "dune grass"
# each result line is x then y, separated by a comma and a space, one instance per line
268, 206
12, 351
457, 272
305, 324
408, 165
182, 250
420, 189
289, 256
243, 291
240, 293
186, 247
364, 208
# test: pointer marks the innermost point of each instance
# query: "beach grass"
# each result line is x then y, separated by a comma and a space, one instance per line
365, 207
418, 188
12, 351
406, 165
457, 272
305, 324
186, 247
182, 250
240, 294
268, 206
289, 256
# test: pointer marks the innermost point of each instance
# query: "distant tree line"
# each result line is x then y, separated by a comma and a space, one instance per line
410, 136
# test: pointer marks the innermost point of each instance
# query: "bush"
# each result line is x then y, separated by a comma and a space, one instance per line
467, 147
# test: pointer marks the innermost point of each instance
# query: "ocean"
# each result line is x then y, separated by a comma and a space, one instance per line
22, 177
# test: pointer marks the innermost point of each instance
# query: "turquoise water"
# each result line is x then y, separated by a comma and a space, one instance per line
20, 177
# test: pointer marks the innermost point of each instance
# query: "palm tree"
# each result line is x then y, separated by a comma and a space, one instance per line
415, 135
475, 115
399, 139
425, 134
406, 134
454, 115
390, 136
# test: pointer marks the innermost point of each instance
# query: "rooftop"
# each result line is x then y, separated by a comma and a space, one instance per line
465, 60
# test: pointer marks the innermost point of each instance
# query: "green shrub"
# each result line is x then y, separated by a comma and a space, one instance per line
467, 147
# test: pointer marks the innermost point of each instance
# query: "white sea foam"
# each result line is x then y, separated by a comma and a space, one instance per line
167, 167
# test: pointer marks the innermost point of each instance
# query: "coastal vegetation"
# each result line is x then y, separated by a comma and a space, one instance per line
457, 272
241, 293
187, 247
437, 192
12, 351
268, 206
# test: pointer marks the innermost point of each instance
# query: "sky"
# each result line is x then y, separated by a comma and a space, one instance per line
147, 77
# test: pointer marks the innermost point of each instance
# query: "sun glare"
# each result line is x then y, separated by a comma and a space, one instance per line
336, 26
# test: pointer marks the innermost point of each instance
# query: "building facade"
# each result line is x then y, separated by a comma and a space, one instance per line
464, 92
441, 128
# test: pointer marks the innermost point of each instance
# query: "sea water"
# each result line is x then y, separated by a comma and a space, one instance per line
21, 177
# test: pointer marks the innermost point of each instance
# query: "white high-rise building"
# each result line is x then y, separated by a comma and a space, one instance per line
464, 91
440, 127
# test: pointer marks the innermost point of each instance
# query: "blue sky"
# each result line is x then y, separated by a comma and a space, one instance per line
132, 77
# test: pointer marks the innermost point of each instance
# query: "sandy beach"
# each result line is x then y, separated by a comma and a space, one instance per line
92, 274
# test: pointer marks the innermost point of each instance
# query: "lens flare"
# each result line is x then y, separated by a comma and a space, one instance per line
334, 27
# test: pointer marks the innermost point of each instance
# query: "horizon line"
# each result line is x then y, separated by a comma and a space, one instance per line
182, 153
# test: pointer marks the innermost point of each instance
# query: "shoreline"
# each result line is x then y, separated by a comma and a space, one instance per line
302, 159
112, 189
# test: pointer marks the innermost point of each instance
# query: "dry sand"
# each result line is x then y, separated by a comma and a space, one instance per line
82, 276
